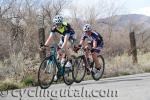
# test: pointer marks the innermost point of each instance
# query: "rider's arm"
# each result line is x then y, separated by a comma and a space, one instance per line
95, 40
53, 30
65, 41
49, 39
82, 39
81, 42
94, 44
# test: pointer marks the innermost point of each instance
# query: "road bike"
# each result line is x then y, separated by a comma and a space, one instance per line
83, 65
51, 67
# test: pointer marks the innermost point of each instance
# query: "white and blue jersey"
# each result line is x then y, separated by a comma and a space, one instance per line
94, 37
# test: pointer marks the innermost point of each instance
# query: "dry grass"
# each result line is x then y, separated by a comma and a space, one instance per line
9, 84
122, 65
18, 70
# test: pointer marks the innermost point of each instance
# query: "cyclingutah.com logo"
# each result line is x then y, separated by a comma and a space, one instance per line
69, 92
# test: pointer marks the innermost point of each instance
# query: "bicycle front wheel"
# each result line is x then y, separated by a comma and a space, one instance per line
68, 71
79, 69
46, 72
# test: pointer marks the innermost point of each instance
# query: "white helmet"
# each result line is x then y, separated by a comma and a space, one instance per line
58, 19
87, 27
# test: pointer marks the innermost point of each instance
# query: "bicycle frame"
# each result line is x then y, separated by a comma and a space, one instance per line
83, 53
53, 53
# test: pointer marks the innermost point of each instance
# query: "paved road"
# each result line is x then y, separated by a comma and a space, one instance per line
132, 87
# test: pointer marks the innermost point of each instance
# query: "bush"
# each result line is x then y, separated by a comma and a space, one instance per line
29, 81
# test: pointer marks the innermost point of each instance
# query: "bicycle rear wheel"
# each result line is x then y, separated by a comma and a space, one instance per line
46, 72
96, 76
79, 69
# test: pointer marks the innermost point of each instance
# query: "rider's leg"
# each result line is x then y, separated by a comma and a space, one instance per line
87, 52
67, 52
64, 46
94, 56
59, 52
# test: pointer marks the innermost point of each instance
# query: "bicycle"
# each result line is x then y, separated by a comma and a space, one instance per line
48, 67
83, 66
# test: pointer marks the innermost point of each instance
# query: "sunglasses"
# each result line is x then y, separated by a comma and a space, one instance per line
87, 31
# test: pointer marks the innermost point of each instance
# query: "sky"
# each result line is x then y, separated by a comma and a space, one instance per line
127, 6
138, 6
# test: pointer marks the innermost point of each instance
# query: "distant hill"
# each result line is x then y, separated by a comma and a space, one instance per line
124, 20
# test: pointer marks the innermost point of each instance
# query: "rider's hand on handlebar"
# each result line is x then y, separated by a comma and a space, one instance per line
42, 47
76, 48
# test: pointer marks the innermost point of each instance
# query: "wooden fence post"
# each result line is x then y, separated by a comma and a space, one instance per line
133, 47
41, 33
